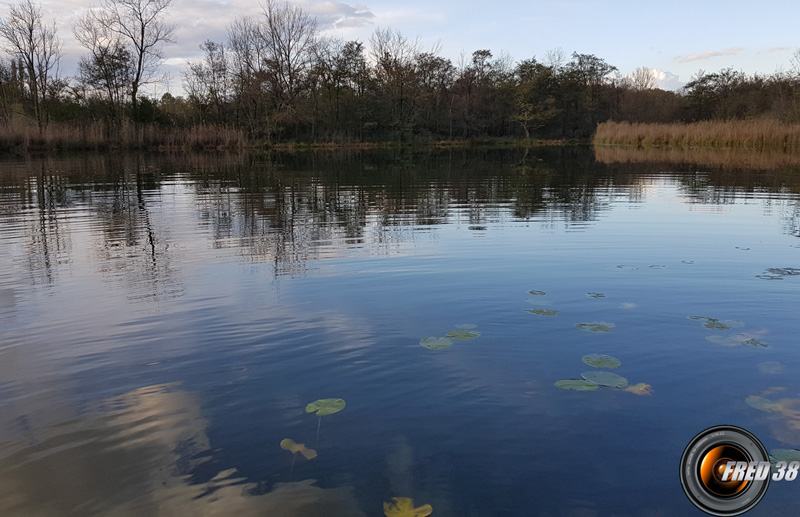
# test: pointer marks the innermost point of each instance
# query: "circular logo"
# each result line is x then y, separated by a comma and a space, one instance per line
723, 470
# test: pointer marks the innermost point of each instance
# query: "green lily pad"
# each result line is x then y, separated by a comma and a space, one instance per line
595, 295
601, 361
542, 312
577, 385
604, 378
466, 326
537, 293
463, 334
763, 404
325, 406
596, 326
787, 455
714, 323
436, 343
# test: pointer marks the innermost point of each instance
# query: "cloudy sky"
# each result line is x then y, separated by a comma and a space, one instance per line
678, 37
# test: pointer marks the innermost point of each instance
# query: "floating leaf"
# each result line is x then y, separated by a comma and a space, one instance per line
714, 323
640, 389
604, 378
542, 312
577, 385
658, 266
294, 448
595, 295
596, 326
436, 343
537, 293
629, 268
777, 273
325, 406
688, 261
755, 342
404, 507
601, 361
763, 404
466, 326
463, 334
787, 455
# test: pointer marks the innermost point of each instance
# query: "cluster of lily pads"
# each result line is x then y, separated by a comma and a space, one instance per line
399, 507
595, 326
593, 380
778, 273
735, 340
464, 331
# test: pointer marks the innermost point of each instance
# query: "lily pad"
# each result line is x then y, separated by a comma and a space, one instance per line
595, 295
290, 445
658, 266
463, 334
601, 361
404, 507
755, 342
436, 343
325, 406
787, 455
542, 312
537, 293
640, 389
596, 326
604, 378
687, 261
763, 404
714, 323
629, 268
466, 326
577, 385
777, 273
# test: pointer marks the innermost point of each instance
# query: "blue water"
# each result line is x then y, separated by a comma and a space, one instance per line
165, 320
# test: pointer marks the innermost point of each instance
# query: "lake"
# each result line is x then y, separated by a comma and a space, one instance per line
166, 320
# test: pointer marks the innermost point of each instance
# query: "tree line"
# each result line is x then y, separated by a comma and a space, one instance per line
276, 78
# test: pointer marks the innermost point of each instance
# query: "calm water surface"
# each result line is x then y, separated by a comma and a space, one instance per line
165, 320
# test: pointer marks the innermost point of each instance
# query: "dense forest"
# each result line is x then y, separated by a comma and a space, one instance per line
277, 79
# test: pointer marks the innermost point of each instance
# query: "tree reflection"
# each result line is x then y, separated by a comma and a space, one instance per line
142, 215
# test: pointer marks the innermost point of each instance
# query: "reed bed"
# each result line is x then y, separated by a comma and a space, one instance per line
24, 137
735, 134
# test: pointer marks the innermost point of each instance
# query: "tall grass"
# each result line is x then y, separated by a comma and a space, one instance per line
745, 134
23, 136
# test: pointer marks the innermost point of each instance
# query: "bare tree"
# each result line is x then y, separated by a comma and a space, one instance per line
38, 49
107, 69
643, 79
140, 26
289, 34
208, 82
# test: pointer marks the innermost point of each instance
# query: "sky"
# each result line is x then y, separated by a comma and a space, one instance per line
676, 39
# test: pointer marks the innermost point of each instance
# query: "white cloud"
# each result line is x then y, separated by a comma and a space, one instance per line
667, 80
708, 55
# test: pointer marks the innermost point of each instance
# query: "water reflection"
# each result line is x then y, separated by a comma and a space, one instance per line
135, 454
141, 213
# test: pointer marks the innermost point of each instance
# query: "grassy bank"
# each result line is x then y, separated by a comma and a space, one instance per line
22, 137
744, 134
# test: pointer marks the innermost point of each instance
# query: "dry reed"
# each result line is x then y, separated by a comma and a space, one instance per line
745, 134
22, 136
